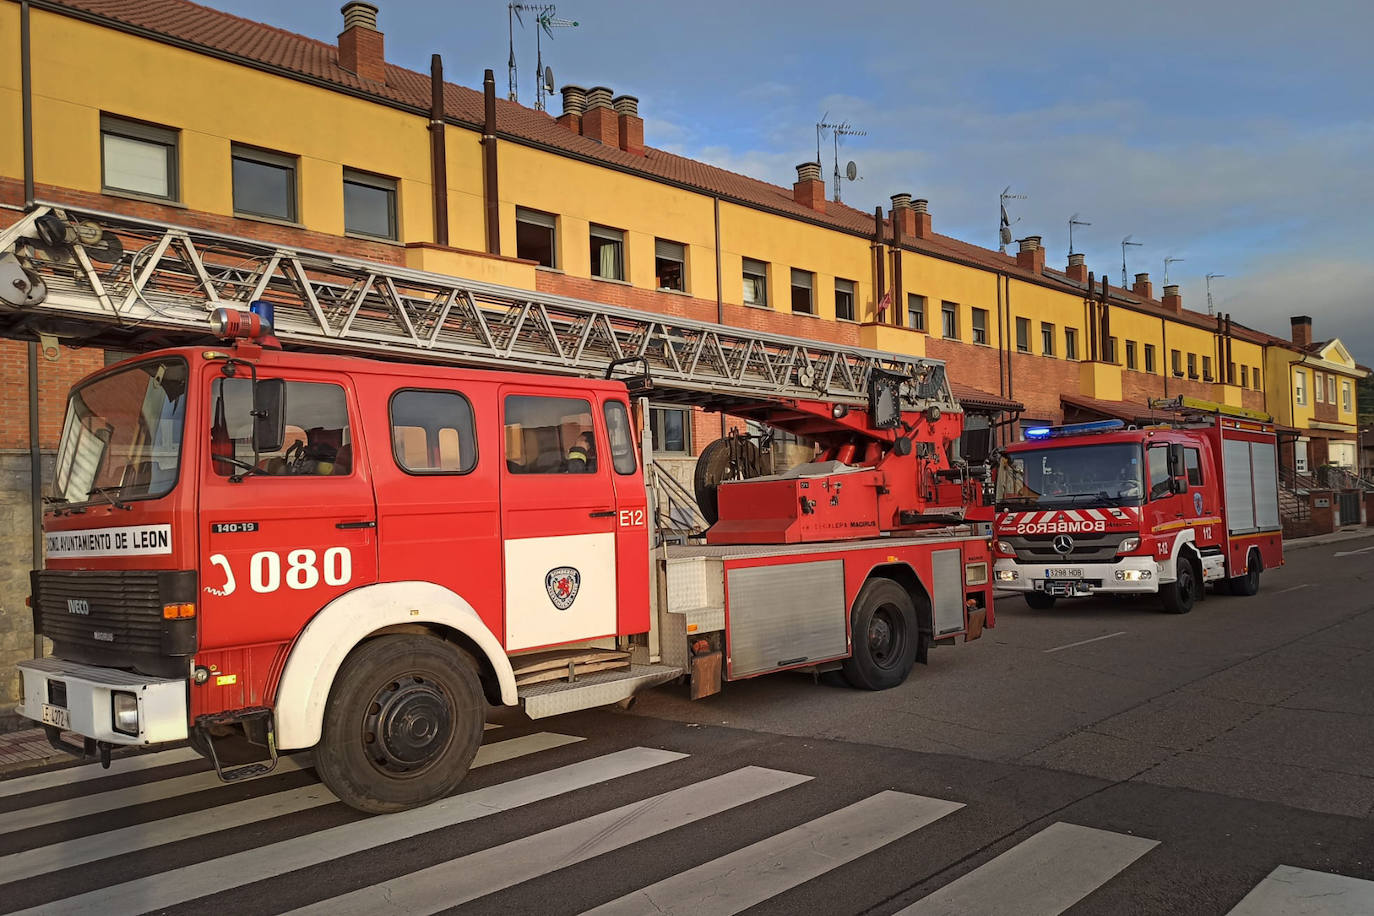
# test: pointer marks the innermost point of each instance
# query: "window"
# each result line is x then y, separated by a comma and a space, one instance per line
1046, 339
1192, 461
1330, 389
1149, 357
915, 312
1109, 350
1300, 456
670, 427
1158, 458
432, 432
1300, 387
317, 442
534, 237
979, 323
802, 301
369, 204
1245, 376
1192, 365
670, 265
1176, 362
1230, 373
755, 283
949, 320
1318, 388
549, 436
607, 252
138, 157
1071, 343
844, 299
1207, 368
1023, 335
1346, 396
264, 183
1130, 354
622, 440
1255, 376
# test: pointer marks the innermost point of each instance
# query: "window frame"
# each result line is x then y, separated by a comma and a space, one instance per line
1207, 368
532, 217
588, 399
377, 182
431, 472
1347, 396
626, 416
980, 334
1192, 366
1192, 461
1150, 362
918, 311
1071, 343
851, 293
746, 273
608, 235
659, 448
1023, 326
679, 258
1176, 362
1047, 338
1318, 387
809, 287
1331, 389
1131, 362
1245, 376
169, 138
271, 159
949, 320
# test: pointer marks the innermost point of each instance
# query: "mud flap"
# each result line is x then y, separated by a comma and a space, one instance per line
976, 618
706, 670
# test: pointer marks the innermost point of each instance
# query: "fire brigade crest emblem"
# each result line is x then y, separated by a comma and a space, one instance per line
562, 584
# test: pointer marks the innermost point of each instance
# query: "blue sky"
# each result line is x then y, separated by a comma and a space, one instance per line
1238, 136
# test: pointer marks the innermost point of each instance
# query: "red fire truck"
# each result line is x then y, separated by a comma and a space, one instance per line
1103, 508
313, 550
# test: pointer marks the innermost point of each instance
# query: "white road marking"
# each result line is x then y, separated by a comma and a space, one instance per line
38, 815
1041, 876
1294, 588
457, 881
69, 775
55, 856
228, 872
749, 876
1351, 553
1289, 891
1084, 642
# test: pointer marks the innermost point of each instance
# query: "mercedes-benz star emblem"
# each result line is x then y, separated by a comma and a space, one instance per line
1062, 544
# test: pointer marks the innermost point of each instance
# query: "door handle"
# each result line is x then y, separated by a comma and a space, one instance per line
605, 513
345, 526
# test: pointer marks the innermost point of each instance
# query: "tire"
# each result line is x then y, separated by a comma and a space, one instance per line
1039, 601
713, 469
885, 636
404, 720
1179, 595
1248, 584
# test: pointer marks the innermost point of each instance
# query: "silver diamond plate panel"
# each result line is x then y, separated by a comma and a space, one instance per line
784, 615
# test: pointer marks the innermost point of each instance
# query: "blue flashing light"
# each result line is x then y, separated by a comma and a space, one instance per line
1073, 429
264, 310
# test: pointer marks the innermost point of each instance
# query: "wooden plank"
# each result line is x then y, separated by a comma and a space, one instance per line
559, 658
559, 674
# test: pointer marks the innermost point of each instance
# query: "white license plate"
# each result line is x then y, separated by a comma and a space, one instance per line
1063, 572
56, 715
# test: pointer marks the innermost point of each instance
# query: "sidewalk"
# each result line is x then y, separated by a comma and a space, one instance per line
1348, 533
27, 748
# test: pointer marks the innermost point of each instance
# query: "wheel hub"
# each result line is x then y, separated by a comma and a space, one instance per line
880, 636
408, 725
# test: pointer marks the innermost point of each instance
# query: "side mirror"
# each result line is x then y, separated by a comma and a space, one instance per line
1176, 468
269, 414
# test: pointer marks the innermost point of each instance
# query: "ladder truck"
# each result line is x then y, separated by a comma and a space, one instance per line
347, 506
1103, 508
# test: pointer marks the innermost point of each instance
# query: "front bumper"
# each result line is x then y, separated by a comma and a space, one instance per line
1127, 576
87, 692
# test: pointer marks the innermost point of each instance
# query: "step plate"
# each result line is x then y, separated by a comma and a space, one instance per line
593, 690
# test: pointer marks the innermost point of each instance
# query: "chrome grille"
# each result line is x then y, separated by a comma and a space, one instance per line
1088, 547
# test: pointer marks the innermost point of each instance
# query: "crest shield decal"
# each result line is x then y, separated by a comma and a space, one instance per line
562, 584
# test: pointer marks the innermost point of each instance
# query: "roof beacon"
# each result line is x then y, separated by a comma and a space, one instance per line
1074, 429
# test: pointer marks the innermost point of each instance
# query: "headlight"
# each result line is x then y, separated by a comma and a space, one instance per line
1004, 548
1133, 575
1007, 575
1128, 544
975, 574
124, 712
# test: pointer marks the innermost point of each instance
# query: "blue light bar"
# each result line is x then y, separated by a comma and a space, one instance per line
1073, 429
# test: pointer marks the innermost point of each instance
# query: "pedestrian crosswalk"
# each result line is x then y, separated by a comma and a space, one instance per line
158, 831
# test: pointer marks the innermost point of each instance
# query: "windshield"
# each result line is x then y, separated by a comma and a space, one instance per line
122, 435
1078, 476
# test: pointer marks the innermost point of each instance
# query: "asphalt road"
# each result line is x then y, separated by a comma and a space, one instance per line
1100, 758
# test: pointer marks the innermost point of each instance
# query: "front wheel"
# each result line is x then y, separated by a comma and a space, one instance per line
404, 721
884, 633
1178, 596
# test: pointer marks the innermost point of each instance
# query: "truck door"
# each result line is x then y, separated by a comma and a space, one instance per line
558, 520
284, 533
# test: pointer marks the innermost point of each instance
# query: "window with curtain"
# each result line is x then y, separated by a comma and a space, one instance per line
755, 283
138, 158
607, 253
915, 312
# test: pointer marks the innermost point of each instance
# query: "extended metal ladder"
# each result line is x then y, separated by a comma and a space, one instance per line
73, 272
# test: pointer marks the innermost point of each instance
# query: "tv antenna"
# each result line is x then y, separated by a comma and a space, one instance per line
1074, 221
837, 130
1005, 224
1167, 262
546, 23
1125, 242
1210, 278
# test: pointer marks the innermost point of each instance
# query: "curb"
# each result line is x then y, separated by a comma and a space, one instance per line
1335, 537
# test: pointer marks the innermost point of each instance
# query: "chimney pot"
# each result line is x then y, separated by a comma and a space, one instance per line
1171, 289
599, 97
1030, 256
1171, 300
626, 105
1030, 243
1078, 267
630, 124
920, 205
1143, 287
809, 189
361, 45
809, 171
901, 201
357, 13
1302, 330
1078, 259
574, 100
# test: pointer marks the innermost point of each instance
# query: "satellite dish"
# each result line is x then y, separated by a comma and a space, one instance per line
851, 171
1006, 235
548, 79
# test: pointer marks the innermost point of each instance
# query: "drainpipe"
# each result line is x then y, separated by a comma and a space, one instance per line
1003, 319
438, 156
490, 188
895, 307
1011, 386
879, 257
35, 446
26, 97
720, 294
1164, 356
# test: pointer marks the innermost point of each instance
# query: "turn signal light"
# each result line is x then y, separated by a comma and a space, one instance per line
178, 611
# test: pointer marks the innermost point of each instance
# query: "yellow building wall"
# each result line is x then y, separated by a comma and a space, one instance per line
944, 281
11, 111
1041, 304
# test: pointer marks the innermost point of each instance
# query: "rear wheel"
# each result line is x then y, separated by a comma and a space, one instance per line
1248, 584
1039, 601
885, 635
403, 723
1178, 596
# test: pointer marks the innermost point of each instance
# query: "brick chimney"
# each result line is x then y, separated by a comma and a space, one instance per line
903, 215
1172, 300
630, 124
1302, 330
1031, 256
574, 105
600, 121
809, 190
360, 44
921, 207
1143, 287
1078, 268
